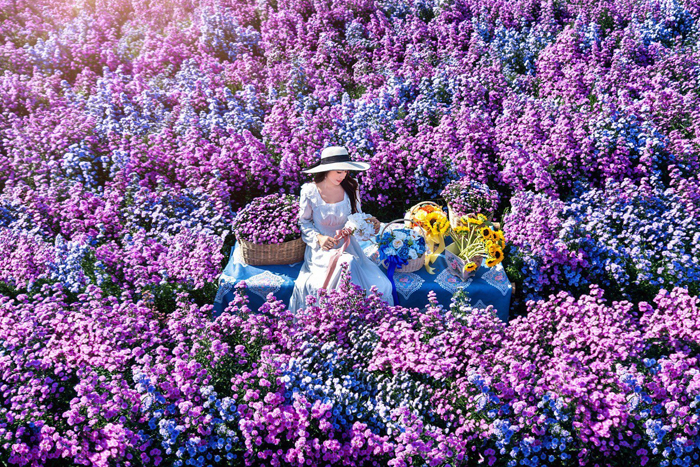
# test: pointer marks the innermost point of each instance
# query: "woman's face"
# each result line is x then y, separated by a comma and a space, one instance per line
336, 176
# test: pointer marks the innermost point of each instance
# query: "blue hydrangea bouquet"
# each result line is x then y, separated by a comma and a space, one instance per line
400, 248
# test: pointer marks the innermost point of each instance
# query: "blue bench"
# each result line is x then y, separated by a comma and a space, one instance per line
489, 286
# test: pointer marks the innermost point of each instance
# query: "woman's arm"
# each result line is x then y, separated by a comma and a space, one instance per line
309, 232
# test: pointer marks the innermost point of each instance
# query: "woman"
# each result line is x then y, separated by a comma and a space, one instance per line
325, 206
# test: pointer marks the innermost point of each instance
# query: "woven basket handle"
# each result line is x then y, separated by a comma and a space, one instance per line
425, 203
392, 222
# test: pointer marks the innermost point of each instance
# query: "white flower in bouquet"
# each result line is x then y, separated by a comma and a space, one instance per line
390, 251
396, 243
361, 228
400, 235
412, 254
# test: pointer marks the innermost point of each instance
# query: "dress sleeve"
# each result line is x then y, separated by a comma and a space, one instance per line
309, 232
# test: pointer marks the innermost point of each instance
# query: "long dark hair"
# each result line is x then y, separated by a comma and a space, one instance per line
349, 184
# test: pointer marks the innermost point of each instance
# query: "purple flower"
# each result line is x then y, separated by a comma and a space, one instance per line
268, 219
470, 196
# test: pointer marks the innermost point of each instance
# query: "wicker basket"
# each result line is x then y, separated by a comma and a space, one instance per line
454, 219
413, 264
277, 253
412, 211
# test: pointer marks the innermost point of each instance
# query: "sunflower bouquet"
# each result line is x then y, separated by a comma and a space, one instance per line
475, 239
435, 224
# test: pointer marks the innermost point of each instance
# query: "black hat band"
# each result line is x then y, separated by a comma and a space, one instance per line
331, 160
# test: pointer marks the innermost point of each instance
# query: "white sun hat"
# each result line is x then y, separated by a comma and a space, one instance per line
336, 158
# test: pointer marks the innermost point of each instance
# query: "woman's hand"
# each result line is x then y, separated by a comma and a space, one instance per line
326, 242
342, 233
375, 221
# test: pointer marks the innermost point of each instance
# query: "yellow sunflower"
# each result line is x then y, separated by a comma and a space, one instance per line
493, 248
437, 223
486, 232
420, 216
470, 266
471, 221
495, 258
481, 217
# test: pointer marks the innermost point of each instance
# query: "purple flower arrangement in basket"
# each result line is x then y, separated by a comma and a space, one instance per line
467, 196
268, 220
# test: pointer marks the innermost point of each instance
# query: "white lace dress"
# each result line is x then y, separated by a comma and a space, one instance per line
318, 217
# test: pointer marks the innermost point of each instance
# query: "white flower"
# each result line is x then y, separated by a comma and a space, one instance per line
361, 229
397, 243
400, 235
390, 251
412, 254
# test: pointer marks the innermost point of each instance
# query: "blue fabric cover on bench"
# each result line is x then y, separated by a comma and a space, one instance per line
489, 286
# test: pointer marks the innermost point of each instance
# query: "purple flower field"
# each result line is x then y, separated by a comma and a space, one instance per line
133, 132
